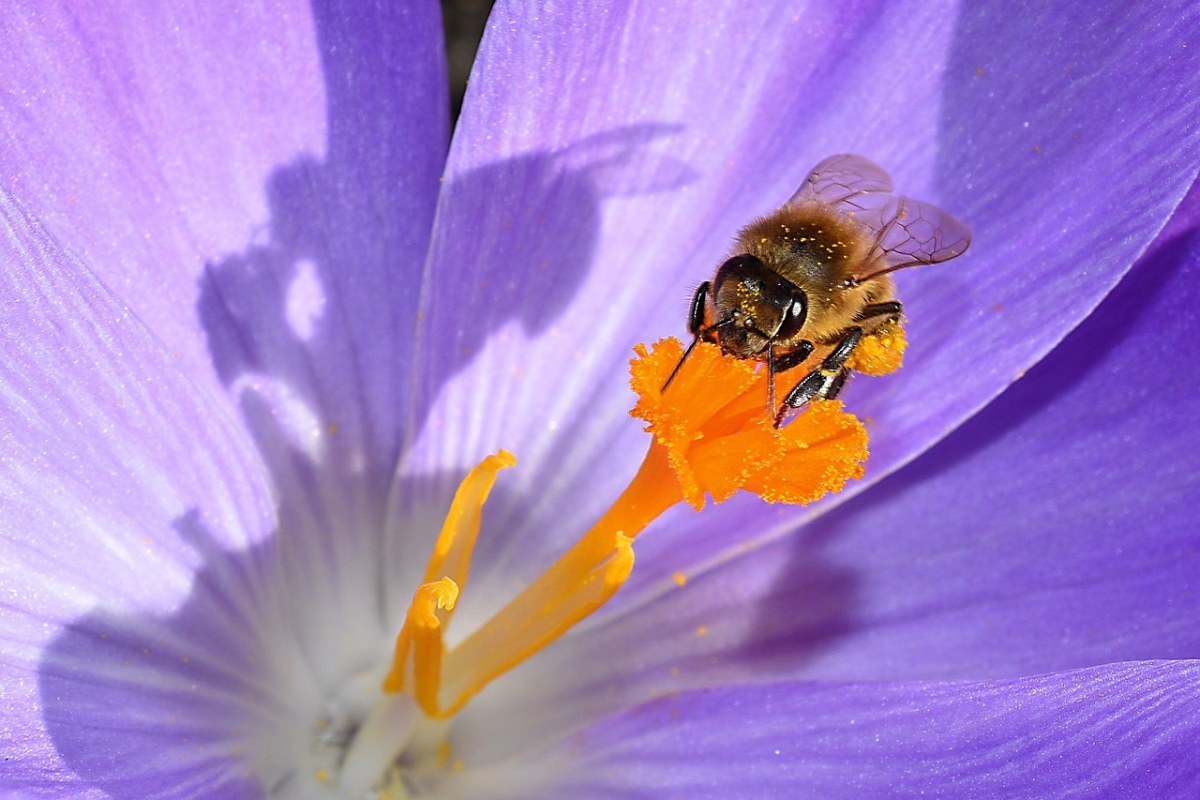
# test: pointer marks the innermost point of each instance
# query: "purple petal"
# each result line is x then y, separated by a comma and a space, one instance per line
120, 479
258, 186
1056, 530
603, 164
1122, 730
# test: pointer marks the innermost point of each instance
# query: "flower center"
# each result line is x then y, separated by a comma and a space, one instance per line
712, 435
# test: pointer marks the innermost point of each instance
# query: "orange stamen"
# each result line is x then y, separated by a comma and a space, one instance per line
712, 435
720, 438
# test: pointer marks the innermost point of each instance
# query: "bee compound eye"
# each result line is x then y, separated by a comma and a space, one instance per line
794, 316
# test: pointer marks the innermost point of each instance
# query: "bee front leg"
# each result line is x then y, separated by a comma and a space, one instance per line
696, 317
795, 358
789, 360
695, 325
827, 380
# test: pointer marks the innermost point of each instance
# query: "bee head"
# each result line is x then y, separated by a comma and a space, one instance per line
761, 306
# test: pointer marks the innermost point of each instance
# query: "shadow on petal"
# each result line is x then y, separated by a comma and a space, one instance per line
253, 684
326, 409
144, 707
291, 323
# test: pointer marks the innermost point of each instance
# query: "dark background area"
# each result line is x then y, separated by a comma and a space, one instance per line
464, 21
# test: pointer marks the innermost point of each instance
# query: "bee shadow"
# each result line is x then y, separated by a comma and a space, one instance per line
318, 316
332, 331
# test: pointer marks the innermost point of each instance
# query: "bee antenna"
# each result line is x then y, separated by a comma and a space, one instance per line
699, 335
679, 365
770, 377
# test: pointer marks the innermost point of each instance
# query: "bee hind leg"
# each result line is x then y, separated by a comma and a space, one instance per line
827, 380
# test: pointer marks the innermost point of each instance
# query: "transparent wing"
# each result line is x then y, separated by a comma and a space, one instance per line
844, 181
906, 232
909, 232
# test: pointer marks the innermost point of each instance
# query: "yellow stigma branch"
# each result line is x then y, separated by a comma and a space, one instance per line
417, 661
711, 436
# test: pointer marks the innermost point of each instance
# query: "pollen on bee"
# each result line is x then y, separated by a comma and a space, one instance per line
881, 352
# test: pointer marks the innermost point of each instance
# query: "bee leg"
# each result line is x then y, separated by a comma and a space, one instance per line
835, 386
841, 354
795, 358
827, 380
695, 325
782, 364
696, 317
892, 308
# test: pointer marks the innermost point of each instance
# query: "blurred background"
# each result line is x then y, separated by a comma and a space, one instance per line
464, 21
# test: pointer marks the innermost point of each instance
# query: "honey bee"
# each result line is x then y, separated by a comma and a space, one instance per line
814, 275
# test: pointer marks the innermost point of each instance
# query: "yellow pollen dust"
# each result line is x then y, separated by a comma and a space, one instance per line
711, 436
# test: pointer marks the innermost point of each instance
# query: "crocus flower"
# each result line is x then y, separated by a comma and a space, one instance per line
258, 326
